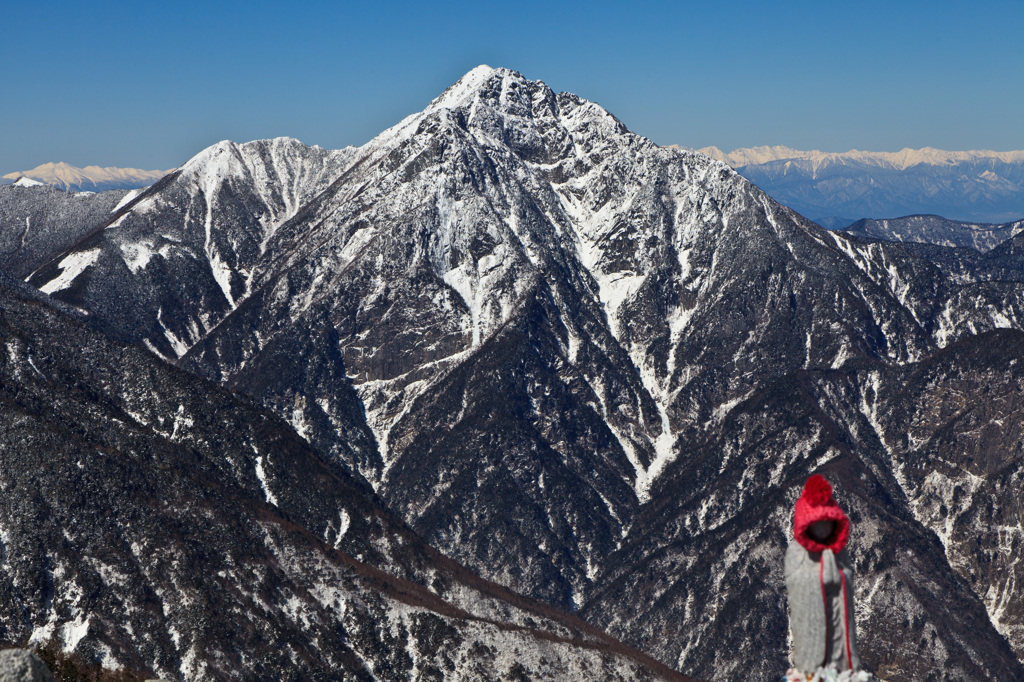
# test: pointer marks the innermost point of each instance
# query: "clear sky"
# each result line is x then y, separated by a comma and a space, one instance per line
149, 84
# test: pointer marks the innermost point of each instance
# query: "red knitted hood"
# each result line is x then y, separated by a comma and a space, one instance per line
817, 504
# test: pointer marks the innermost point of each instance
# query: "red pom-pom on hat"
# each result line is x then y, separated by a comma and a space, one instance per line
817, 504
817, 490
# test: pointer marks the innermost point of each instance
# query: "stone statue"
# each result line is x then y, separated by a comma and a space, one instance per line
819, 585
21, 665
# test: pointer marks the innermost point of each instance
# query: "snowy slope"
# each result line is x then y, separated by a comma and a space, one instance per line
38, 222
932, 229
213, 217
153, 520
584, 365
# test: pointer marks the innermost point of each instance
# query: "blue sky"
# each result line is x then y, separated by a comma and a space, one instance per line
150, 84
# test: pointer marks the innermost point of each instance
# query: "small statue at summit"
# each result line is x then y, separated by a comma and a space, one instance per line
819, 586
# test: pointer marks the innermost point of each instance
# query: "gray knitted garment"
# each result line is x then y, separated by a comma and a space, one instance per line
20, 665
817, 621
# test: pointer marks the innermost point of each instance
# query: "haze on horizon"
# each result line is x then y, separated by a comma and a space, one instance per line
149, 86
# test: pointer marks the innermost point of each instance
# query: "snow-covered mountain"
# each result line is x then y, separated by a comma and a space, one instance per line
153, 520
933, 229
977, 186
598, 371
901, 160
88, 179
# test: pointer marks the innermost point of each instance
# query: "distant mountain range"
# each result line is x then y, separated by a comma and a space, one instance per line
88, 179
901, 160
594, 370
837, 189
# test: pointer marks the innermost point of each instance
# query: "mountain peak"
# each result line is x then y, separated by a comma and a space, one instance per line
27, 182
92, 178
485, 96
574, 361
468, 88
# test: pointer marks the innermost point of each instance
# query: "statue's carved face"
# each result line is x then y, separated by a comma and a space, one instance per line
821, 530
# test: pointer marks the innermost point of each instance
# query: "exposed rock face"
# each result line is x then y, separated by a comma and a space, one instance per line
982, 272
151, 519
726, 510
955, 430
595, 370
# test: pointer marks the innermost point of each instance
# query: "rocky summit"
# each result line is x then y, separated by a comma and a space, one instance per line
598, 371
